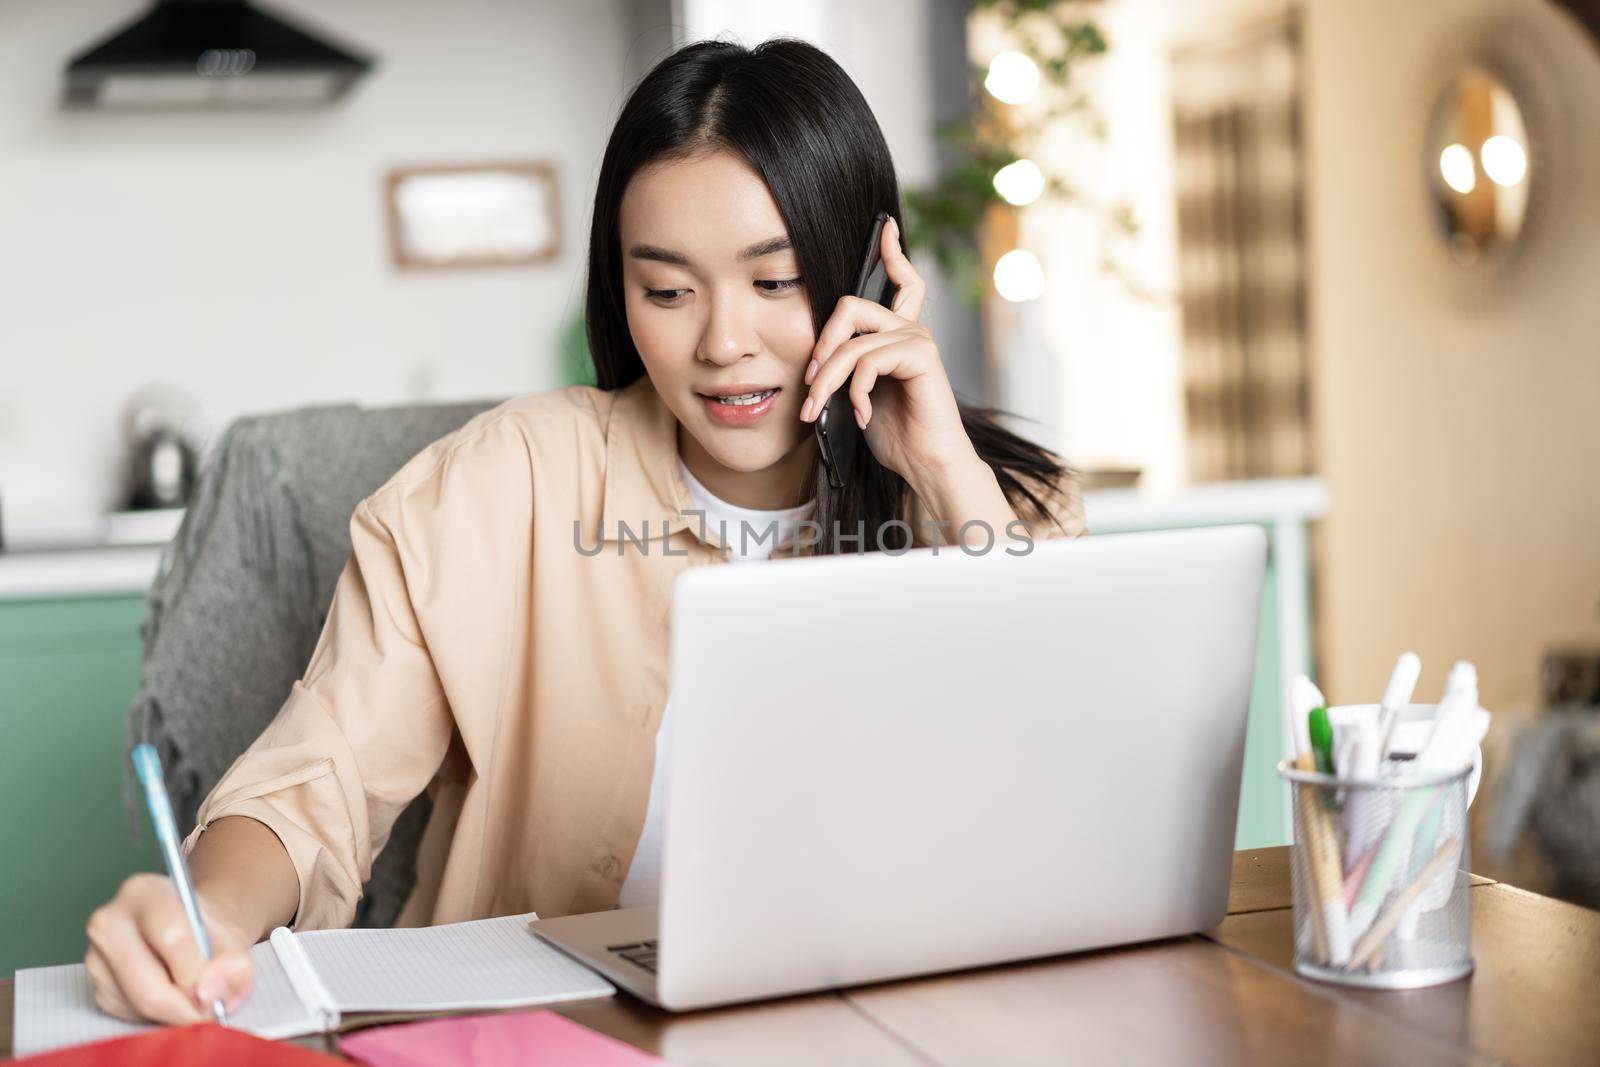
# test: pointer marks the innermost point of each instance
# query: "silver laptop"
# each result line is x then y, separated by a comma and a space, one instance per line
888, 766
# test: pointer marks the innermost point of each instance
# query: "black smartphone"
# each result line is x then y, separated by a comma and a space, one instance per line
838, 436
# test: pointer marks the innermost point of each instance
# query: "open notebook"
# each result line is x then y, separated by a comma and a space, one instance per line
306, 981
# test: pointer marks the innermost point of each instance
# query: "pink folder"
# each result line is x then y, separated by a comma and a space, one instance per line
523, 1038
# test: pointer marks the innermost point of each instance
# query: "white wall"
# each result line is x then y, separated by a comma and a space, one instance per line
882, 46
242, 256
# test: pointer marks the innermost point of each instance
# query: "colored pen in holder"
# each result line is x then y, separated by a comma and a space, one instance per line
1381, 889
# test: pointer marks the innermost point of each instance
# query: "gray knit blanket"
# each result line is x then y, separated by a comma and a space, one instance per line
243, 591
1550, 790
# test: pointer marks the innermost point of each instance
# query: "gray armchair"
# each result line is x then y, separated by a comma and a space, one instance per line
245, 587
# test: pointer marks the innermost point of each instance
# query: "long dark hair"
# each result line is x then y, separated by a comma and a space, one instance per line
794, 115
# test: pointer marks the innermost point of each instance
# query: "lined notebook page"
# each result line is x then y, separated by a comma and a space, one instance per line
489, 963
55, 1007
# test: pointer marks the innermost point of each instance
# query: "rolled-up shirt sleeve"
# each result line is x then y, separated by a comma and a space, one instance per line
360, 735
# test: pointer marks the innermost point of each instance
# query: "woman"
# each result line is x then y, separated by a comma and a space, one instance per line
498, 636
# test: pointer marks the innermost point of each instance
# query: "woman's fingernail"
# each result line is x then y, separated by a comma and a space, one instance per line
805, 409
860, 421
811, 371
209, 991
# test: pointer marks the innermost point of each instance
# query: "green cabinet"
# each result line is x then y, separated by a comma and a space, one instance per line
1284, 508
69, 668
1262, 796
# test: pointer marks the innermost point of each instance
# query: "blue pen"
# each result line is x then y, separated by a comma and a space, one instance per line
148, 766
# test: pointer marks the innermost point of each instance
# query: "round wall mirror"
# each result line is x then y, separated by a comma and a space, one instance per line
1478, 165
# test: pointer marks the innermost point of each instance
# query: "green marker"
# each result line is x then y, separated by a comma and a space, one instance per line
1322, 739
1322, 750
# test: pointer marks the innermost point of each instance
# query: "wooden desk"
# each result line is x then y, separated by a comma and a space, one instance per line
1229, 996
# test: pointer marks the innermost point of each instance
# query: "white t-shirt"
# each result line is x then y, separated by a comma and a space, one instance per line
750, 542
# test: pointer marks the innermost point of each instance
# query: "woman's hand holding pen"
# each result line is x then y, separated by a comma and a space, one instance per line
143, 962
902, 397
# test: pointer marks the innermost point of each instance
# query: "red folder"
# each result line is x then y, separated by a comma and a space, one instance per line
183, 1046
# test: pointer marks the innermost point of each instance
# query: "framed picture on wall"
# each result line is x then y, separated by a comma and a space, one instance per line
445, 216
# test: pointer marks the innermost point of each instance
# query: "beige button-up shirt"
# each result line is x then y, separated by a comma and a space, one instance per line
499, 638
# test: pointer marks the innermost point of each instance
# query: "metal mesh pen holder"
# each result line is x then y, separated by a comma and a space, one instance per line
1379, 866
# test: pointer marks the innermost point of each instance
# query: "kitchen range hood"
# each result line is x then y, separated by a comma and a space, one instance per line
211, 53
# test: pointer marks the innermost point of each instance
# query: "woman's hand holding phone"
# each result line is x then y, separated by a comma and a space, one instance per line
897, 384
